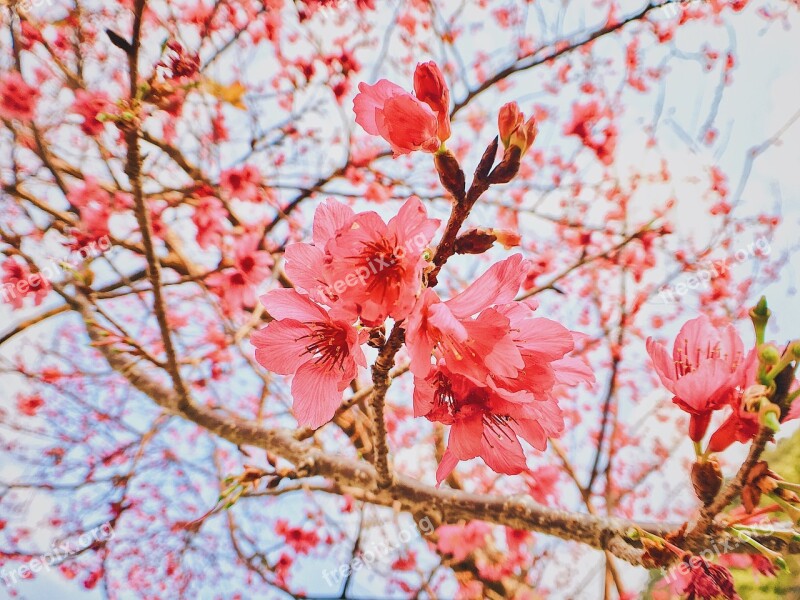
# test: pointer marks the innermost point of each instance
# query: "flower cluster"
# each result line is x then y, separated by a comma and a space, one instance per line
485, 365
709, 371
407, 122
358, 268
481, 361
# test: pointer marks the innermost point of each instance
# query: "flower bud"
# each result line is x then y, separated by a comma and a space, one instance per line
514, 130
431, 88
475, 241
450, 174
706, 479
769, 354
508, 120
760, 314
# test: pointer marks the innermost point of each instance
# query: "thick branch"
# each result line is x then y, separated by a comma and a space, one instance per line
361, 479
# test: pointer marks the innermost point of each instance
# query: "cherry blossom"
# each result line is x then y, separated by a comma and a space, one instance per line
704, 369
407, 122
17, 98
362, 266
484, 422
322, 353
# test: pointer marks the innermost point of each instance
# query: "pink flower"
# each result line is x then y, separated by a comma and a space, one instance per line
253, 264
704, 370
503, 346
30, 405
460, 540
407, 122
243, 183
237, 286
19, 282
17, 98
380, 263
209, 217
299, 539
361, 266
484, 422
89, 105
94, 205
585, 119
322, 353
447, 330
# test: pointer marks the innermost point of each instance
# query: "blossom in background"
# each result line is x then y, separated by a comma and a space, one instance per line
18, 282
17, 98
706, 367
94, 205
251, 266
361, 266
460, 540
584, 124
406, 121
302, 541
29, 405
321, 352
209, 217
89, 105
243, 183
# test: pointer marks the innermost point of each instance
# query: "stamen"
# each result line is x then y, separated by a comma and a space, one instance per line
328, 345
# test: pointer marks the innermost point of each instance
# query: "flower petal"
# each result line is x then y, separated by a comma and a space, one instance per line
330, 217
498, 285
279, 348
316, 395
371, 98
449, 462
289, 304
465, 437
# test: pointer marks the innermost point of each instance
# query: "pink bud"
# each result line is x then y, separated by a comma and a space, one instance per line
514, 130
508, 121
509, 239
431, 88
523, 137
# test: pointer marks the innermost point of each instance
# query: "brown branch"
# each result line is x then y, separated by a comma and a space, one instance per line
360, 479
133, 170
531, 61
380, 385
705, 521
33, 321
